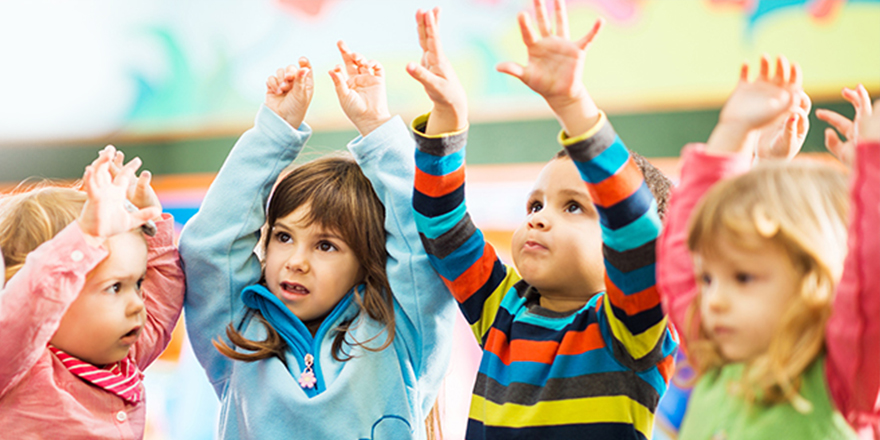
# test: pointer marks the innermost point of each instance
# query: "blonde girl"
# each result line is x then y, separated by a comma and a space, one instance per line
89, 303
343, 330
752, 271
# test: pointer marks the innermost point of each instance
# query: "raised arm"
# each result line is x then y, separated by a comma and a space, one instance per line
456, 248
217, 244
751, 107
853, 332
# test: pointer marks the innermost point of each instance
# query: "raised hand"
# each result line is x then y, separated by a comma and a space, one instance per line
360, 87
785, 141
767, 101
845, 150
437, 76
104, 213
869, 126
555, 67
139, 192
289, 92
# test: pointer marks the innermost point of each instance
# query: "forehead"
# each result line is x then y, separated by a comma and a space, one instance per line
127, 256
560, 176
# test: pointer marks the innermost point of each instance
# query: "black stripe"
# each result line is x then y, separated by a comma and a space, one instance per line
451, 240
615, 383
436, 206
632, 259
598, 431
647, 361
587, 149
627, 210
472, 308
442, 146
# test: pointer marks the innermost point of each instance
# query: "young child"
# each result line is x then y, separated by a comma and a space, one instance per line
782, 334
88, 304
328, 338
574, 345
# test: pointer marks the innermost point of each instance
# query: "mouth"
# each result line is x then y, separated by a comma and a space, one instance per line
533, 246
720, 331
132, 336
293, 290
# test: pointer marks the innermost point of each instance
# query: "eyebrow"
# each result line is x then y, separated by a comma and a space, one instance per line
323, 235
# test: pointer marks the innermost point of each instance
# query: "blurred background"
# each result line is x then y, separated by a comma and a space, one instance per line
176, 82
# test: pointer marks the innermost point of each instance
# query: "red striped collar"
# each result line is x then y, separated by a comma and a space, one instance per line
122, 378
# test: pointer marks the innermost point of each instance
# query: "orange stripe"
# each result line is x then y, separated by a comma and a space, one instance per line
635, 303
666, 367
545, 352
438, 186
618, 187
474, 277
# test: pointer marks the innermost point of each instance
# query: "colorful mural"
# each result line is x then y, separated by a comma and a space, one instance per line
82, 70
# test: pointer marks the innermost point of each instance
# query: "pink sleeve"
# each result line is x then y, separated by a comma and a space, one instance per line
35, 299
163, 291
675, 274
853, 332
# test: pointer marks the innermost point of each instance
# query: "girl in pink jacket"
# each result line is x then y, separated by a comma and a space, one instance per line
772, 284
89, 303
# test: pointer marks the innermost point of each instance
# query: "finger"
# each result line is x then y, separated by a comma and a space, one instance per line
795, 75
280, 73
832, 142
347, 58
864, 100
377, 69
304, 63
525, 28
422, 75
782, 71
744, 72
420, 22
143, 215
836, 120
541, 18
513, 69
805, 103
803, 124
561, 19
130, 169
118, 160
584, 42
432, 37
272, 85
306, 79
764, 73
339, 81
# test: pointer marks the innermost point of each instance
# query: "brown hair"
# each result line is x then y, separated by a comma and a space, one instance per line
31, 216
801, 207
340, 198
657, 182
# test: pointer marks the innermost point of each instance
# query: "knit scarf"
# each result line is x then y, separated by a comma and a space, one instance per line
122, 379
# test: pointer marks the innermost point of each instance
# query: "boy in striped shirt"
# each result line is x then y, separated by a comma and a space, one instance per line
575, 342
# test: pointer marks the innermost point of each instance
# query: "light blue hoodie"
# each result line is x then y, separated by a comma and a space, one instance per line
375, 395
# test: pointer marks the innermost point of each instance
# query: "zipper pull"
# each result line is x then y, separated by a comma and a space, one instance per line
307, 378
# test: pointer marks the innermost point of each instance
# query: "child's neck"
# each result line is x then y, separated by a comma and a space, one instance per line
567, 301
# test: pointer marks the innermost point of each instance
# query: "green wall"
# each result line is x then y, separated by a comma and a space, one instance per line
652, 134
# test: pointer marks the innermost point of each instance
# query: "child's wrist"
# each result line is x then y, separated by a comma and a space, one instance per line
90, 239
445, 119
367, 125
732, 137
577, 115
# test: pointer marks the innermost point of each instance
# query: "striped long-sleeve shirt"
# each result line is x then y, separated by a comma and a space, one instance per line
597, 372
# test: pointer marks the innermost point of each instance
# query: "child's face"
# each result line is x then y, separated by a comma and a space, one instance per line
309, 268
108, 316
744, 294
558, 248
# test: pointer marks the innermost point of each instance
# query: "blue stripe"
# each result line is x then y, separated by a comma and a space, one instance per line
633, 281
437, 226
439, 166
635, 234
460, 259
627, 210
653, 377
606, 164
537, 373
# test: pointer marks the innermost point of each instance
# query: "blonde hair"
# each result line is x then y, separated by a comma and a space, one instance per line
31, 216
801, 207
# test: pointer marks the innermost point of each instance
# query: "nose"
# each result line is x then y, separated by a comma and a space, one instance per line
298, 261
135, 303
716, 298
539, 220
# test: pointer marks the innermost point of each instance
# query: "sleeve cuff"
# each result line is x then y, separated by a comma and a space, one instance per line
420, 122
565, 140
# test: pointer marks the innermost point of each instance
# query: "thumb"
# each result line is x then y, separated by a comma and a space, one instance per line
422, 75
513, 69
143, 215
339, 82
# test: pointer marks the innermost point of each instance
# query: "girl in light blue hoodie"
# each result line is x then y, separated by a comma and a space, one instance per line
343, 330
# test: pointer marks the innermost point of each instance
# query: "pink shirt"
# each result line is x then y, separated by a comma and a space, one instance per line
39, 397
852, 334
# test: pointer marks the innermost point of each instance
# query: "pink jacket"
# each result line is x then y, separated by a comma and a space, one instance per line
853, 332
39, 397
